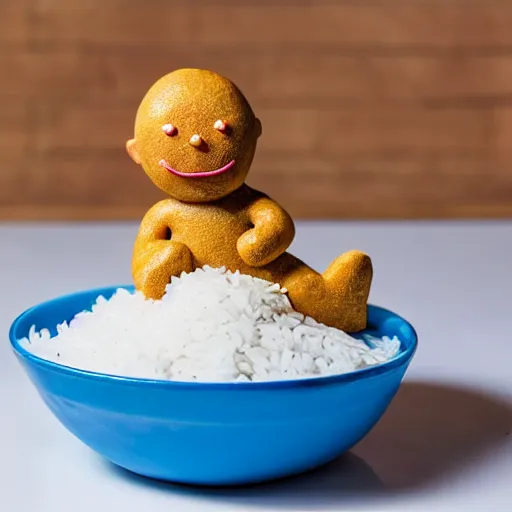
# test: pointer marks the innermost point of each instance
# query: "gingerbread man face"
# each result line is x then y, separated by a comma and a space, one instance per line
195, 135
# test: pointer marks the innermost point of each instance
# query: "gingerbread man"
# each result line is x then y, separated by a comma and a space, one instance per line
195, 137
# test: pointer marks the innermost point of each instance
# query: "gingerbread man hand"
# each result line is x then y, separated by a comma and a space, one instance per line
156, 258
271, 235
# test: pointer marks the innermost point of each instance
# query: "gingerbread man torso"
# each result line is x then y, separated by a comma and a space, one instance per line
212, 231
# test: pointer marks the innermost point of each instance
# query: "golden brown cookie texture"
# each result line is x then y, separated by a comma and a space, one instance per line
192, 101
195, 137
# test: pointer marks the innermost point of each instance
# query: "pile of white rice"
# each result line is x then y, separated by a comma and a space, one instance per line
211, 326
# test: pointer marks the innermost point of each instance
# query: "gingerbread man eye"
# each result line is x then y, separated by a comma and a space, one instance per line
221, 125
169, 129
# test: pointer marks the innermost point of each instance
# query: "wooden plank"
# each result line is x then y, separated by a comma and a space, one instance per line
353, 188
15, 21
13, 179
40, 75
14, 128
436, 25
395, 187
295, 77
376, 130
82, 178
344, 131
502, 125
81, 126
388, 211
88, 179
64, 212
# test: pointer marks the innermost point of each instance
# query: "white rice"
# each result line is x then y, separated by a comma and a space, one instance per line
211, 326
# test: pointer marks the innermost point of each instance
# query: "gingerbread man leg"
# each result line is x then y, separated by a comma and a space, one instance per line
339, 296
154, 266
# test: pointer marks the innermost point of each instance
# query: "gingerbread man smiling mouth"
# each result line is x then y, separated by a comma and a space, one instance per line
203, 174
195, 137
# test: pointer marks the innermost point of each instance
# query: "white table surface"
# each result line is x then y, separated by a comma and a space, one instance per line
443, 445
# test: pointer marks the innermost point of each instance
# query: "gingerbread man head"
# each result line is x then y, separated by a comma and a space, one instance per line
195, 135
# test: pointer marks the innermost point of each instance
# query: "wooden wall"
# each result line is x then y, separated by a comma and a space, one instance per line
371, 109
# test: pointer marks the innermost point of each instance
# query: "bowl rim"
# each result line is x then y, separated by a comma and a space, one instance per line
403, 358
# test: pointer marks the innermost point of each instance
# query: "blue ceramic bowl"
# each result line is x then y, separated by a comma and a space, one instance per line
213, 433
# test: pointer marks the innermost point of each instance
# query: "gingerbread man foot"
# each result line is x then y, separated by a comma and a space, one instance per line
339, 296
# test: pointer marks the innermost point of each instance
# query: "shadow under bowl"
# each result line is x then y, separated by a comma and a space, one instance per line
213, 433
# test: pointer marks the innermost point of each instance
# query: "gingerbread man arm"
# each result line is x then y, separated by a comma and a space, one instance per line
156, 258
271, 235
